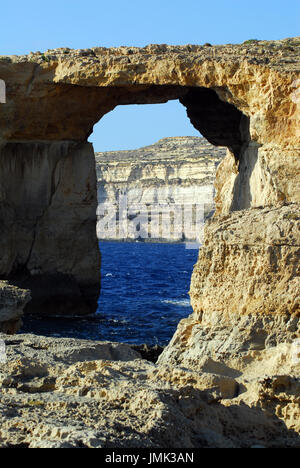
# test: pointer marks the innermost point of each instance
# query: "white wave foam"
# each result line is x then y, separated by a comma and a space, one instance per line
178, 302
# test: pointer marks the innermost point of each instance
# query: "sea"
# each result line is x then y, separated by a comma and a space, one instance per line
144, 295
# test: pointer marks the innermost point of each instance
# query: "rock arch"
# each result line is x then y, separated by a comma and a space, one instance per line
48, 192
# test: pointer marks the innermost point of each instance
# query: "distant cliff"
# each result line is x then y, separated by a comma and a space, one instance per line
157, 192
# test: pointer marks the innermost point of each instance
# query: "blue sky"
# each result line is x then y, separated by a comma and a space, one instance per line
40, 25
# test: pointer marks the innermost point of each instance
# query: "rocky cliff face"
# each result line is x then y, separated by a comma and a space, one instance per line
12, 303
66, 393
45, 193
171, 177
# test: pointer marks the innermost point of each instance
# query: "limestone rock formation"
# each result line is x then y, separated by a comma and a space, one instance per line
12, 302
64, 393
242, 96
154, 183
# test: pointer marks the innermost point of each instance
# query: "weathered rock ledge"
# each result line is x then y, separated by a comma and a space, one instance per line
245, 288
59, 392
12, 303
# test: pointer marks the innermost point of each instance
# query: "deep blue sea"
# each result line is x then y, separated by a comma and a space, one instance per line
144, 295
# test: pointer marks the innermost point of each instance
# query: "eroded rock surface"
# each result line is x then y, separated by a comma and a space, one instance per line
12, 303
72, 393
259, 250
245, 288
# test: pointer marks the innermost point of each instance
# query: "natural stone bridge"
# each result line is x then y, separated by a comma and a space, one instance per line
239, 96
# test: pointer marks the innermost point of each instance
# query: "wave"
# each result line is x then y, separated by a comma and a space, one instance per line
178, 302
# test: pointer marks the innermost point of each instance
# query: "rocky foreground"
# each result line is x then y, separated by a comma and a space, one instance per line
64, 393
156, 180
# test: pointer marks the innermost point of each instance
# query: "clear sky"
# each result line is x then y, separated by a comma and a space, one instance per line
31, 25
